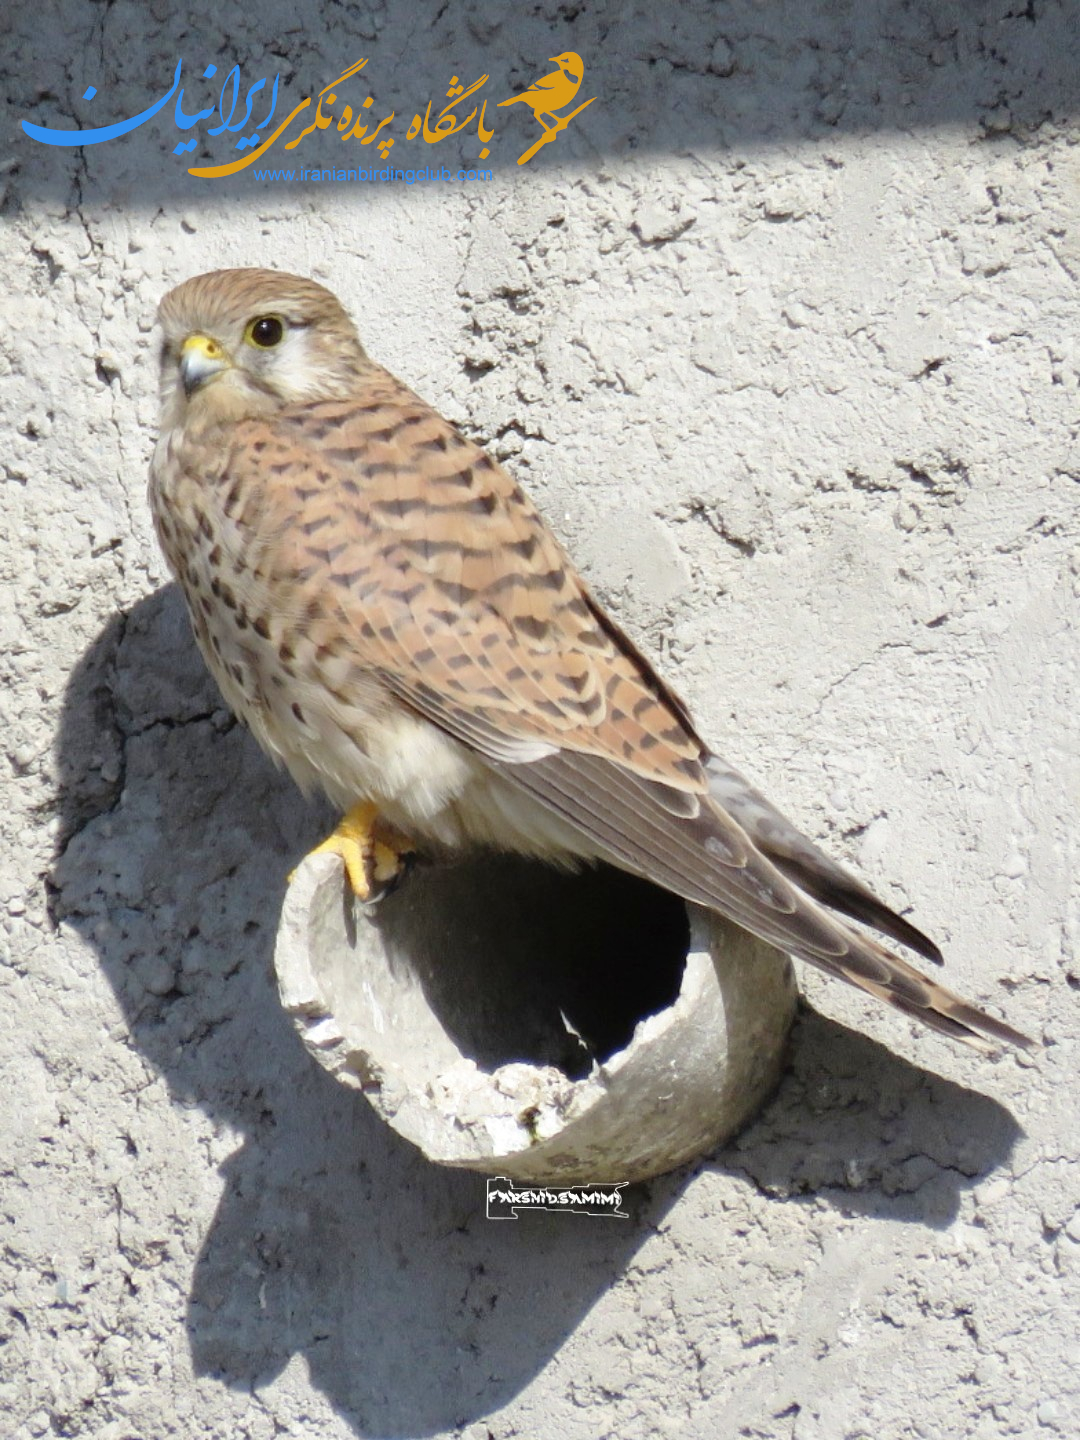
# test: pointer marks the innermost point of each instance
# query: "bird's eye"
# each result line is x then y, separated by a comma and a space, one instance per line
265, 332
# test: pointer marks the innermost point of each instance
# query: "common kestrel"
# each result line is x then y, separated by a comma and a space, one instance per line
387, 611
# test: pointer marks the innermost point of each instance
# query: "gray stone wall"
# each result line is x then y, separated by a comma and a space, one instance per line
782, 335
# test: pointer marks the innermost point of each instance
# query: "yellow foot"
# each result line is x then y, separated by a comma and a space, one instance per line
371, 864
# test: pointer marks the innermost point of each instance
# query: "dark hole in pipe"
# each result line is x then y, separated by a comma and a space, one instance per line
522, 962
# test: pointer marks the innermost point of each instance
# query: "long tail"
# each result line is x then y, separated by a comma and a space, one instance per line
867, 965
802, 862
733, 852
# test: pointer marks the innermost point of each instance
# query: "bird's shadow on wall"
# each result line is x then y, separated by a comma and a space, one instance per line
333, 1238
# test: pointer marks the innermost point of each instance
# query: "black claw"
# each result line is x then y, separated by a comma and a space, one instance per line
380, 889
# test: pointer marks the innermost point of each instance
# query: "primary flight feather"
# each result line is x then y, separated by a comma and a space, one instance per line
388, 612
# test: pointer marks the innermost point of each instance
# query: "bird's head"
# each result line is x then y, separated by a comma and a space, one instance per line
249, 341
569, 62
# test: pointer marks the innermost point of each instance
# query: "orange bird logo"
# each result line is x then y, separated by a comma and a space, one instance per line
551, 93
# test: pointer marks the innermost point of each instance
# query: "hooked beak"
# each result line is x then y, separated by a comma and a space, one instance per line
200, 360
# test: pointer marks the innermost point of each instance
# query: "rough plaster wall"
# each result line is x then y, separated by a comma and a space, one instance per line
782, 335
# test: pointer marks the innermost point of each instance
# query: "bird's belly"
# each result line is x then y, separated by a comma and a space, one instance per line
493, 813
426, 784
341, 732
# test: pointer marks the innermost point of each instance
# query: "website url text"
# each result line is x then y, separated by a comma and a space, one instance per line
384, 174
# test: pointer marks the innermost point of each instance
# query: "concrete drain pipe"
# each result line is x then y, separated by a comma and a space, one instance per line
516, 1020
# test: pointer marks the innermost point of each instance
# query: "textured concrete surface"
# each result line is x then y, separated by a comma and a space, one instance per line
782, 334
